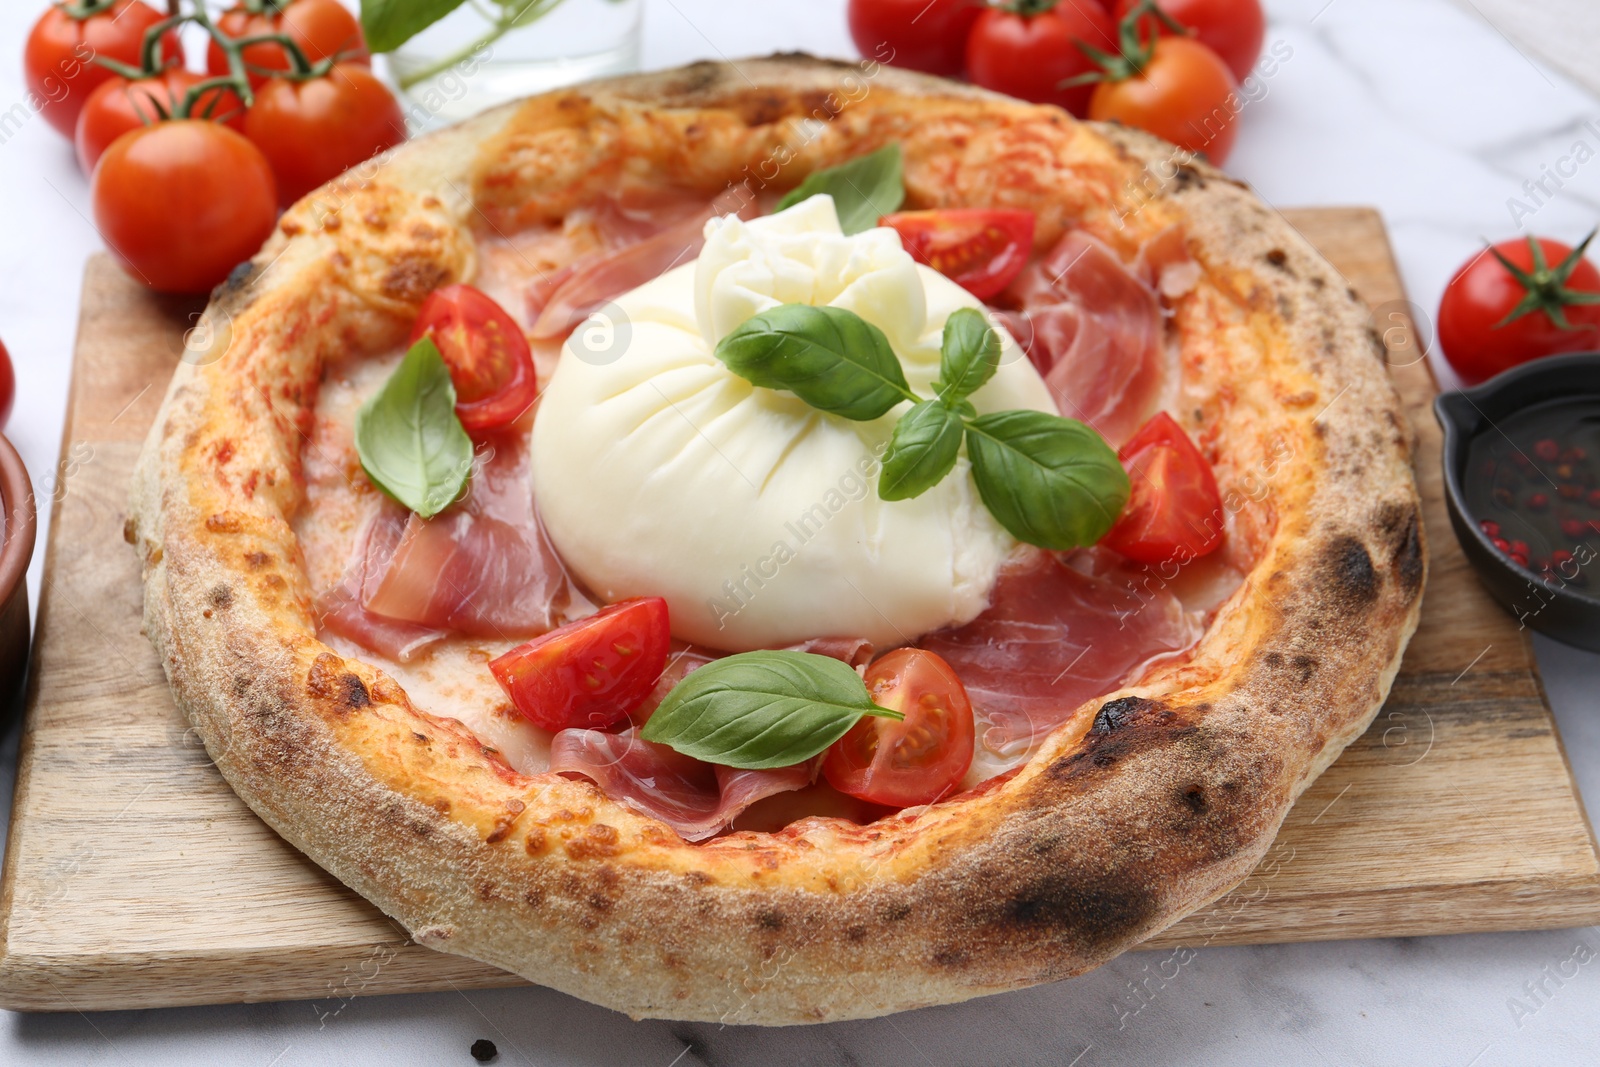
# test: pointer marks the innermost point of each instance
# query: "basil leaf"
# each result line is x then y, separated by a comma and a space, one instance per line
409, 439
863, 190
829, 357
1052, 482
968, 356
758, 710
922, 451
388, 24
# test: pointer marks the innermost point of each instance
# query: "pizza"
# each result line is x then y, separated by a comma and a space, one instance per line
781, 541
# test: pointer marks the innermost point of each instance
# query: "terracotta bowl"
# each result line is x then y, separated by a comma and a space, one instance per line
19, 526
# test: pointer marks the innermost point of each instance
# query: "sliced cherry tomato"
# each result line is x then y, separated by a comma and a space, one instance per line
487, 354
1029, 51
314, 130
928, 35
120, 105
1174, 513
1233, 29
182, 203
979, 249
59, 60
916, 760
1540, 299
321, 28
590, 673
1182, 92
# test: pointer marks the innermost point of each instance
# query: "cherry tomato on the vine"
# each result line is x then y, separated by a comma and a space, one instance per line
182, 203
488, 356
1517, 301
918, 759
979, 249
120, 105
1233, 29
1028, 49
315, 129
322, 28
590, 673
59, 59
1174, 511
1182, 92
928, 35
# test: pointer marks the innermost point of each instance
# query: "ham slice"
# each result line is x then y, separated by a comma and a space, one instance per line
341, 611
696, 799
1052, 638
638, 260
484, 567
1094, 330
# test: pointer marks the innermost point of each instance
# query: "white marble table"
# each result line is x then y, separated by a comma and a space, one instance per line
1419, 107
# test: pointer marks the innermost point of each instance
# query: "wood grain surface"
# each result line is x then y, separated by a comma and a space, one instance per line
135, 878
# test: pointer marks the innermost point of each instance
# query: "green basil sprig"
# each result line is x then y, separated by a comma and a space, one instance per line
410, 441
1050, 481
864, 190
758, 710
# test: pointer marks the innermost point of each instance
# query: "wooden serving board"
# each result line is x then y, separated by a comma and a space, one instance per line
135, 878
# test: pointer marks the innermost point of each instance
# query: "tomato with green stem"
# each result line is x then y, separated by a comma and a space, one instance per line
1517, 301
1033, 49
120, 105
322, 29
926, 35
59, 58
1233, 29
591, 673
490, 363
182, 202
915, 760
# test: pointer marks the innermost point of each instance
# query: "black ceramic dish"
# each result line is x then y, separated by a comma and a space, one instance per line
1556, 608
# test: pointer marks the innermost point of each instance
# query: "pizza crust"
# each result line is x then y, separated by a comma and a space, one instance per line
1143, 807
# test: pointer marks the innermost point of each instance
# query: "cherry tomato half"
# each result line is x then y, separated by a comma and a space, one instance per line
916, 760
980, 250
1185, 94
590, 673
1547, 284
182, 203
929, 35
119, 105
1233, 29
321, 28
1174, 513
487, 354
313, 131
59, 60
1030, 55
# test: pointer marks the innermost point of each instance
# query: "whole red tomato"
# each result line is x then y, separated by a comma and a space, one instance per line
1517, 301
1182, 92
322, 28
317, 129
182, 203
1029, 49
119, 105
1233, 29
58, 61
928, 35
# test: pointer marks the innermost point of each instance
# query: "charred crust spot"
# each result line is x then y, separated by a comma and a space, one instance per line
329, 680
1280, 259
770, 919
895, 911
1194, 799
237, 280
1080, 905
1402, 528
221, 596
1350, 572
1187, 177
1318, 282
856, 933
410, 279
763, 109
950, 956
504, 822
1117, 713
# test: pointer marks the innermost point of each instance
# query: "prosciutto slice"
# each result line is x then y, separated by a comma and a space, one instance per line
1094, 330
639, 259
484, 567
1052, 638
341, 609
696, 799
